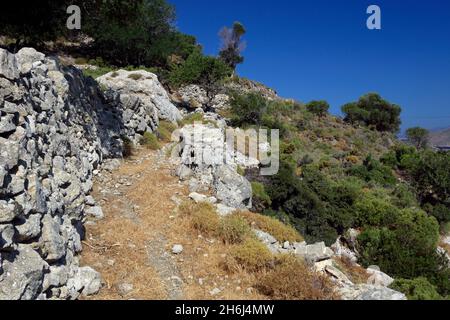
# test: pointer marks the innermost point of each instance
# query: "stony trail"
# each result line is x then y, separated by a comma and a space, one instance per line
131, 246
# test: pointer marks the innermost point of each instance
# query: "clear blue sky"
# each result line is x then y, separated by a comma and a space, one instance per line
323, 50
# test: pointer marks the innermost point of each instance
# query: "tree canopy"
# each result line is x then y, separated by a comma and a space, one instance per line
372, 110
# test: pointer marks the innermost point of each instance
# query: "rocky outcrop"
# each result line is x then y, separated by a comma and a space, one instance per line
142, 90
56, 129
206, 162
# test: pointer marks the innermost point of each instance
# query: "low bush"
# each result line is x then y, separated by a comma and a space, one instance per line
276, 228
261, 199
203, 216
248, 109
165, 130
251, 255
233, 229
416, 289
318, 108
150, 141
291, 279
191, 119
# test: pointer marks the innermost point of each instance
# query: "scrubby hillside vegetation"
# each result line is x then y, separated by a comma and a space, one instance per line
346, 173
336, 174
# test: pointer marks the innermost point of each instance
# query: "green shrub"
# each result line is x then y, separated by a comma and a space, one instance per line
201, 70
405, 248
416, 289
371, 210
247, 109
150, 141
261, 199
318, 108
373, 170
373, 111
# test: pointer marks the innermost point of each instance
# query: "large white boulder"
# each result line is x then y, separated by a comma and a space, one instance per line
145, 86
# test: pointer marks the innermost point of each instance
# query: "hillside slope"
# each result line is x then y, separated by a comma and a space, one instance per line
440, 138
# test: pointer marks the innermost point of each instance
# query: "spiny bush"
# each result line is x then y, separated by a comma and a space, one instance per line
233, 229
203, 216
251, 255
150, 141
291, 279
276, 228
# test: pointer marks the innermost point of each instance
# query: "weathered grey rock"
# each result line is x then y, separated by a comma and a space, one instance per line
264, 237
314, 252
221, 102
379, 278
224, 210
23, 273
29, 228
9, 211
90, 201
52, 243
145, 86
193, 96
86, 281
338, 275
7, 123
125, 288
341, 250
26, 57
197, 197
177, 249
57, 276
370, 292
232, 189
95, 212
7, 233
8, 65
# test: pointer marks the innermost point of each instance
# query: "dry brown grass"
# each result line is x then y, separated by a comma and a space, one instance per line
291, 279
354, 272
276, 228
251, 255
124, 235
233, 229
203, 216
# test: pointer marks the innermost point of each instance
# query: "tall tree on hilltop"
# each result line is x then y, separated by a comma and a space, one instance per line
232, 45
418, 137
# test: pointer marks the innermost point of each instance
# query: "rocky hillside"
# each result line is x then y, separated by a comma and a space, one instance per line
60, 132
440, 138
57, 129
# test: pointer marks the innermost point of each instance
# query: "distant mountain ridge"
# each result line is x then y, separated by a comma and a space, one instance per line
440, 137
